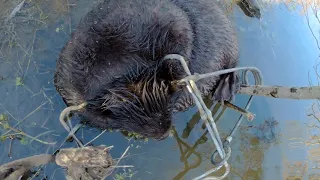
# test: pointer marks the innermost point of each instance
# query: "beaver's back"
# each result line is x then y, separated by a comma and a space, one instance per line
215, 45
215, 39
117, 37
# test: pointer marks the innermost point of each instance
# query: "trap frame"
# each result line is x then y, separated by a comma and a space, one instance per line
223, 149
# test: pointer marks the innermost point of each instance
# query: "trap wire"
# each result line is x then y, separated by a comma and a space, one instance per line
223, 149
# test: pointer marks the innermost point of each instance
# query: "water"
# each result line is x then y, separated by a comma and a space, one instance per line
280, 45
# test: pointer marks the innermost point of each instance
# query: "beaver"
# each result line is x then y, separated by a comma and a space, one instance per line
114, 62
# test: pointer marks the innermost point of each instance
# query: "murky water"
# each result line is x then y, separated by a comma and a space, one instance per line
278, 144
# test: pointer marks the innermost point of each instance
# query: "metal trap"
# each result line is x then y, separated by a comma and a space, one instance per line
222, 148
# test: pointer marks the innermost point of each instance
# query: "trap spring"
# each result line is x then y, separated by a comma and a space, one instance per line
223, 149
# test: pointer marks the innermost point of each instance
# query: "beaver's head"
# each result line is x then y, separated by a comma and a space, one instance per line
140, 102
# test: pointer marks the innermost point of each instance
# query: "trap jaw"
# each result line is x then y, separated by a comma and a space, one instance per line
223, 149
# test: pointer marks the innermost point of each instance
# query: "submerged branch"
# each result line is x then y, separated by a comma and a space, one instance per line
27, 135
81, 163
15, 10
312, 92
16, 169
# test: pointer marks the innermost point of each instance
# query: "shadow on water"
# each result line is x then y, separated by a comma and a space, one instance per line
30, 44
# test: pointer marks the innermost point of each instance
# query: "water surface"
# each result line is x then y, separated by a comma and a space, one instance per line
280, 45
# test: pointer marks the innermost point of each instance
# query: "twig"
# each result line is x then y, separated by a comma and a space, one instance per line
41, 134
19, 122
8, 112
8, 135
95, 138
250, 116
129, 166
27, 135
307, 18
10, 147
125, 152
38, 108
15, 10
31, 53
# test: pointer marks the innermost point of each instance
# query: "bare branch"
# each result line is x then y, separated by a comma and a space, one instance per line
16, 169
312, 92
15, 10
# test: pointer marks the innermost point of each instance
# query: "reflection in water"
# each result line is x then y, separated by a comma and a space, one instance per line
189, 150
196, 117
185, 154
302, 167
254, 141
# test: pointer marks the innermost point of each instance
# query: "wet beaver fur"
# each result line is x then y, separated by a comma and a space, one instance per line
113, 62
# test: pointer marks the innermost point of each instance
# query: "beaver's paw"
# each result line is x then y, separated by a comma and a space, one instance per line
228, 85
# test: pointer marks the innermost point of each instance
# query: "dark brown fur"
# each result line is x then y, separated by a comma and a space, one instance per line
113, 61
